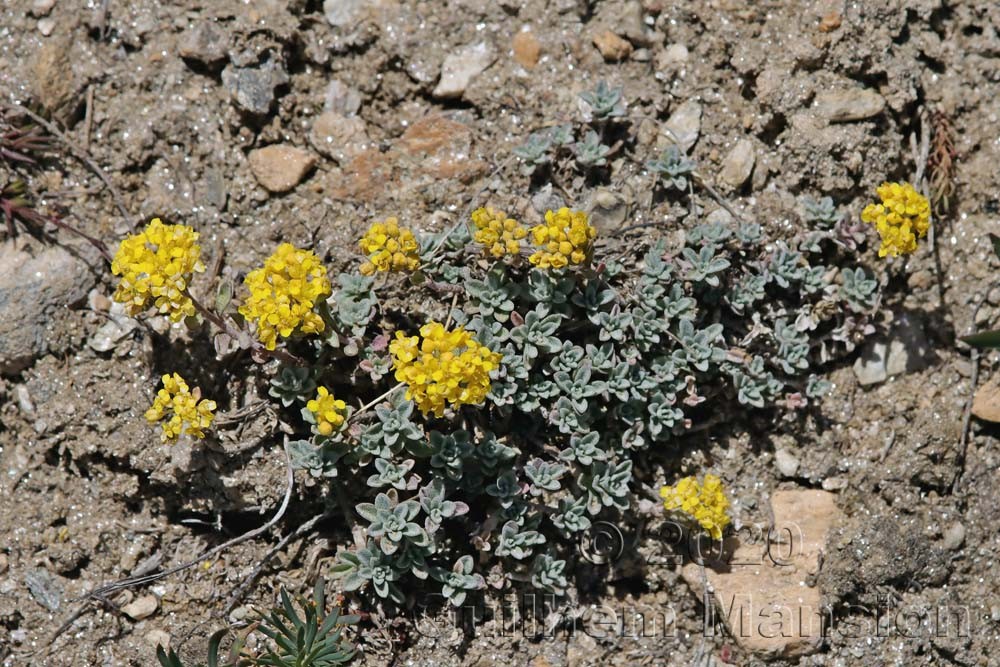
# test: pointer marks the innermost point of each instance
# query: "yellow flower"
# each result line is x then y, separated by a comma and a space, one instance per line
188, 412
565, 238
328, 411
283, 294
156, 265
389, 247
442, 366
497, 233
705, 504
903, 216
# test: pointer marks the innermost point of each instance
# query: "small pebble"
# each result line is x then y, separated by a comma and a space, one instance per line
239, 613
675, 54
527, 49
141, 608
24, 399
611, 46
157, 638
546, 200
834, 483
41, 8
684, 125
460, 68
787, 464
738, 165
342, 99
279, 168
46, 26
954, 536
608, 211
841, 106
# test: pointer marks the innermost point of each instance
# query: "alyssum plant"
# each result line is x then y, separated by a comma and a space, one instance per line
520, 418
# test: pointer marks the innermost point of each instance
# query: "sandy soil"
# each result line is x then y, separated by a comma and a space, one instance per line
147, 89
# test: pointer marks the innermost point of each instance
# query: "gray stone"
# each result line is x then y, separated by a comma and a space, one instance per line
41, 8
342, 99
46, 26
671, 57
118, 326
787, 464
23, 396
205, 43
869, 368
546, 199
157, 638
953, 537
461, 67
33, 291
909, 349
46, 588
607, 210
834, 484
632, 26
906, 350
56, 82
344, 13
339, 137
684, 125
252, 88
719, 216
280, 168
838, 106
738, 165
213, 188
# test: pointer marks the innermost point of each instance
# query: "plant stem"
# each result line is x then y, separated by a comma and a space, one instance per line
227, 326
367, 406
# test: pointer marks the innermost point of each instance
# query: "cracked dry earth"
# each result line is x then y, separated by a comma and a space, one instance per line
302, 120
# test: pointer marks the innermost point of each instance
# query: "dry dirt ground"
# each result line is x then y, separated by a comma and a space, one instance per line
170, 99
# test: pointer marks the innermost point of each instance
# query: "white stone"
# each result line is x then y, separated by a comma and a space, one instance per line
460, 68
684, 125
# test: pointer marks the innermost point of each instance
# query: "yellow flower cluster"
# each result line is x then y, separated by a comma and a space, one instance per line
283, 294
328, 411
499, 234
705, 503
903, 216
188, 412
442, 367
156, 265
389, 248
564, 239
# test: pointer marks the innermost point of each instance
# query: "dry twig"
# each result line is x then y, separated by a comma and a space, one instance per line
101, 593
248, 581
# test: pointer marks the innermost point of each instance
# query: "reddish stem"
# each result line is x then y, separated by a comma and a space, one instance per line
233, 332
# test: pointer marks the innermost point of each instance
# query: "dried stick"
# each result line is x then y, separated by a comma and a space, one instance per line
82, 156
921, 153
375, 401
963, 445
102, 592
248, 581
230, 330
